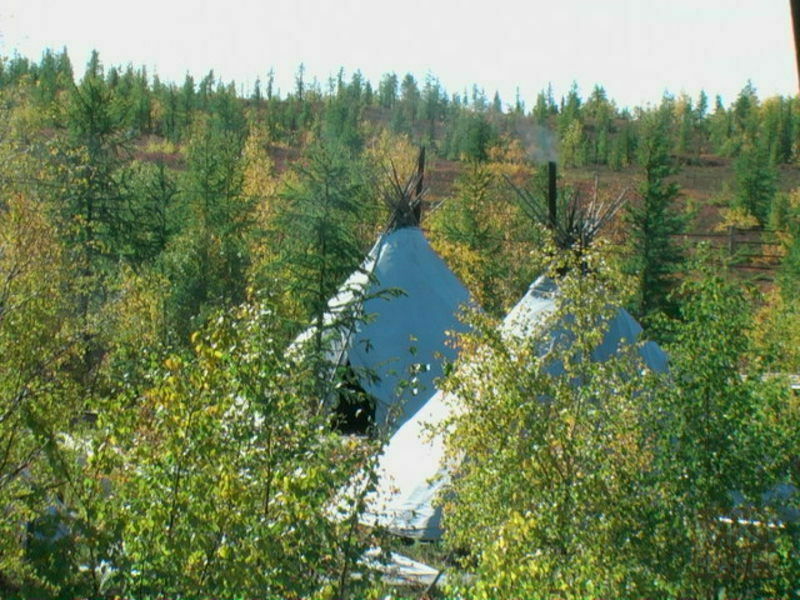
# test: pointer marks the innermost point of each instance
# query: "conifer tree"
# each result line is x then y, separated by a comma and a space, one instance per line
654, 221
186, 105
433, 106
540, 109
497, 103
93, 205
685, 124
720, 128
409, 99
47, 84
745, 111
270, 83
571, 109
755, 181
207, 262
153, 194
470, 136
319, 217
573, 145
702, 105
387, 90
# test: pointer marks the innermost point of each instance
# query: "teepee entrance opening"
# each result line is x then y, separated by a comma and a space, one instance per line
354, 411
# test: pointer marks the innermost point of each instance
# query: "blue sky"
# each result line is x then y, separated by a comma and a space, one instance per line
636, 49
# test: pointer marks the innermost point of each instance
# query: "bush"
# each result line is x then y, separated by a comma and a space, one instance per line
575, 478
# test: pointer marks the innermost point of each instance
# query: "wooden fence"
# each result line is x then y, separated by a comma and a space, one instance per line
749, 250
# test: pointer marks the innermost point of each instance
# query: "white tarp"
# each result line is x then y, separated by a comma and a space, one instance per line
401, 570
410, 469
403, 338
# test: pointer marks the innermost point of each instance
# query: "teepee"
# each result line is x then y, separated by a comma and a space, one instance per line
390, 321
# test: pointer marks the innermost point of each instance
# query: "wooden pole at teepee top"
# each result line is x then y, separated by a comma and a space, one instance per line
551, 194
418, 191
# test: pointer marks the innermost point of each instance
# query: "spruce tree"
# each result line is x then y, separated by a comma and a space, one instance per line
654, 220
208, 261
93, 206
755, 178
319, 219
720, 128
409, 99
541, 110
387, 90
571, 109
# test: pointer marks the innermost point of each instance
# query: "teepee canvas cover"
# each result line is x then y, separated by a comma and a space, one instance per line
399, 337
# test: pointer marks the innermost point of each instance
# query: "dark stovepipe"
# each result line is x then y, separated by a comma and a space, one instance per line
551, 194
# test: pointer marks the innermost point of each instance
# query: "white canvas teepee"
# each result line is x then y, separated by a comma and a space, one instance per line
401, 337
411, 471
